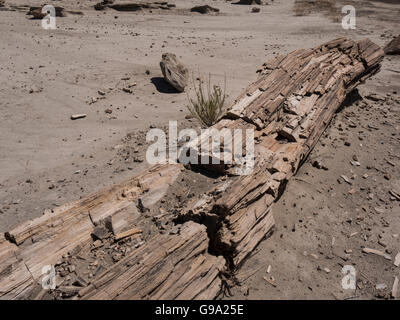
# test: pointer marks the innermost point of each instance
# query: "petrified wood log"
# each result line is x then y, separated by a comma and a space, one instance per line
168, 267
294, 93
46, 239
289, 107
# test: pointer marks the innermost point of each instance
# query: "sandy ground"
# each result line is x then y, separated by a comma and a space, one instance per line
46, 159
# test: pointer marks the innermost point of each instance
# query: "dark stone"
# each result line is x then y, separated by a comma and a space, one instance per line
204, 9
393, 47
248, 2
36, 12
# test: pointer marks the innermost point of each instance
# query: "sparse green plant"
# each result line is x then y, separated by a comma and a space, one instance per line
209, 102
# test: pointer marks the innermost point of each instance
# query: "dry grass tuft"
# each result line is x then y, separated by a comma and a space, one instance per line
209, 102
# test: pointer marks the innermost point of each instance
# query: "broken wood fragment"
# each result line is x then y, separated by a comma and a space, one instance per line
377, 252
168, 267
397, 260
395, 287
78, 116
270, 280
127, 233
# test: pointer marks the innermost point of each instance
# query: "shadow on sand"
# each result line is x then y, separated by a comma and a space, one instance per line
163, 86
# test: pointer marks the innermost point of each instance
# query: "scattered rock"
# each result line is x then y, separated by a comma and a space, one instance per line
397, 260
395, 287
174, 72
319, 165
374, 97
133, 6
128, 233
102, 5
381, 286
69, 291
129, 6
245, 290
97, 244
78, 116
248, 2
71, 268
371, 126
80, 282
382, 243
395, 194
347, 180
255, 9
377, 252
35, 89
93, 100
390, 162
327, 270
36, 12
127, 90
393, 47
117, 257
270, 280
355, 163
